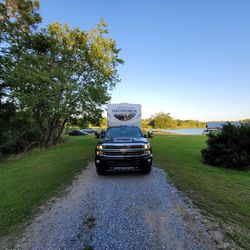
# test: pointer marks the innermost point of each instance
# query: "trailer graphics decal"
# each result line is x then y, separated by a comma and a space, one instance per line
124, 114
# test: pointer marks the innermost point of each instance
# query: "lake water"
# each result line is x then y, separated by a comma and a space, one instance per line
184, 131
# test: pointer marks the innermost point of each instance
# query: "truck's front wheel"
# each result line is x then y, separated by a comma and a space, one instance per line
146, 170
100, 171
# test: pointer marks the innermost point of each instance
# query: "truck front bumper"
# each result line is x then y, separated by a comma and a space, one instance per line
111, 162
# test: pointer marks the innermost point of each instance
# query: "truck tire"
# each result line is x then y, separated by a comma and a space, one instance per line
146, 170
100, 171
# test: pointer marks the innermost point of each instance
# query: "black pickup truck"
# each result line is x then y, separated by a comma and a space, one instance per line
123, 147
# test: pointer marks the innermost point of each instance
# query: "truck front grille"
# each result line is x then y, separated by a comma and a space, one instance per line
124, 146
123, 150
127, 153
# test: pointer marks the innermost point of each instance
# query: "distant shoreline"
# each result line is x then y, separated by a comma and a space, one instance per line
182, 131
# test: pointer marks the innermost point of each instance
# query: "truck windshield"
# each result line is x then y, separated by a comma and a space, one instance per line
123, 132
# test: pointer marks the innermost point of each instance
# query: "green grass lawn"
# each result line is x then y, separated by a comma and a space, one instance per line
224, 193
30, 181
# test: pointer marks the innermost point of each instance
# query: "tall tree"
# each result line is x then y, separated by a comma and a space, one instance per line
162, 120
50, 75
18, 20
65, 72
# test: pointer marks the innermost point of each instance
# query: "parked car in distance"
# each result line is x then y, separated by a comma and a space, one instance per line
76, 132
88, 130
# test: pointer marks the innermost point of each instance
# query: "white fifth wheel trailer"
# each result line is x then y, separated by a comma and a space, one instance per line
124, 114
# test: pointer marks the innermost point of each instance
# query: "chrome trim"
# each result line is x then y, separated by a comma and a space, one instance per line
123, 144
125, 156
118, 150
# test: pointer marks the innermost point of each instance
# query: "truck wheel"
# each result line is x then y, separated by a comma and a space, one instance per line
100, 171
146, 170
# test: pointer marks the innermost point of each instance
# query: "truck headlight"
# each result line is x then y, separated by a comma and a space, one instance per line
98, 152
99, 147
147, 146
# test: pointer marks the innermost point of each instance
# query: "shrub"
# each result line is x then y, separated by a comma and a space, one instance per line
229, 148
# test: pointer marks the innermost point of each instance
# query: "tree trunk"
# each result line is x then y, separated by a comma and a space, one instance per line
61, 128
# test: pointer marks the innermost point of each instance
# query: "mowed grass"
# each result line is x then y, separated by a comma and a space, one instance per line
30, 181
224, 193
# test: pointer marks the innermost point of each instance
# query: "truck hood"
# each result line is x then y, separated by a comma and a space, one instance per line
125, 140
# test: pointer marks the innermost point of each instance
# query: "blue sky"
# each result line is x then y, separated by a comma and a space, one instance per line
190, 58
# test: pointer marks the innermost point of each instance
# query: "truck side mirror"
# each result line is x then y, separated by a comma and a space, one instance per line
150, 135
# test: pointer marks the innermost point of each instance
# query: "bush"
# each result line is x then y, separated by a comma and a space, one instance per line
229, 148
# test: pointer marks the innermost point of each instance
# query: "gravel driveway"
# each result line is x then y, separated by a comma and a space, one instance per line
118, 211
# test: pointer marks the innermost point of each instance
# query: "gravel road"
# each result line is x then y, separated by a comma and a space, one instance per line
118, 211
